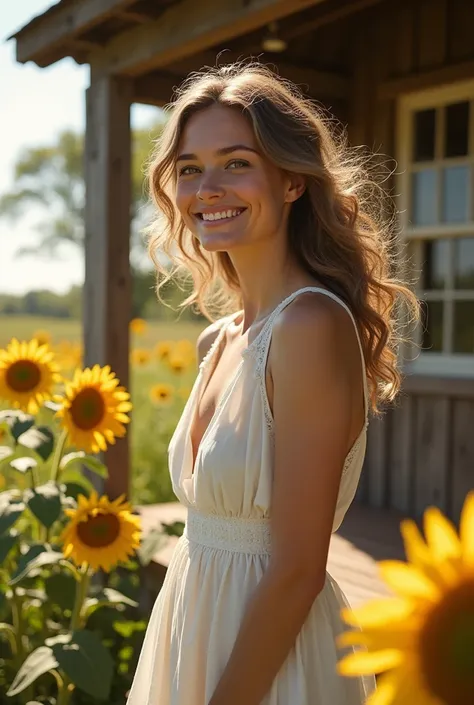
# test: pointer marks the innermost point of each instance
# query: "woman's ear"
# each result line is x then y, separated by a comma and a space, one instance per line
296, 187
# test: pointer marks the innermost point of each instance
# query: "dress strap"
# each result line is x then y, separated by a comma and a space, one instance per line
262, 341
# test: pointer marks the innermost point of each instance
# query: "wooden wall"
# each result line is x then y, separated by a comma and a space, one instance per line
421, 452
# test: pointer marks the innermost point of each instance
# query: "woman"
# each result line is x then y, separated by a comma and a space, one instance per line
256, 195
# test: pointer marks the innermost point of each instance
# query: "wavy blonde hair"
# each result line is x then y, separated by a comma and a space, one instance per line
337, 230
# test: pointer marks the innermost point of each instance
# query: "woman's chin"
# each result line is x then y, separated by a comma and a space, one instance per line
219, 242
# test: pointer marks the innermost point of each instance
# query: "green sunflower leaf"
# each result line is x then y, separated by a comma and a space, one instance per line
23, 464
40, 439
61, 589
108, 597
5, 452
9, 512
74, 489
17, 421
85, 660
40, 560
40, 661
7, 541
45, 503
90, 461
153, 542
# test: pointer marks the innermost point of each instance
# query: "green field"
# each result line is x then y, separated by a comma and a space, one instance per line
152, 424
23, 327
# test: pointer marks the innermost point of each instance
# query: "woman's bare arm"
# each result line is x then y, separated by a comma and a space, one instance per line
318, 402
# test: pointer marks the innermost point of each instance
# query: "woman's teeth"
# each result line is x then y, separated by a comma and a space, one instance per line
222, 214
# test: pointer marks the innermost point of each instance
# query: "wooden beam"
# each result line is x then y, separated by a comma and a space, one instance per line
426, 79
57, 26
155, 88
319, 83
183, 30
138, 17
327, 13
107, 290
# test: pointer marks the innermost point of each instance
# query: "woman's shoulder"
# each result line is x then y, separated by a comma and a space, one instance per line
317, 324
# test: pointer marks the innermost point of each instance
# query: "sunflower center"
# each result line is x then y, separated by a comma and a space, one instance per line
99, 530
447, 646
23, 375
88, 409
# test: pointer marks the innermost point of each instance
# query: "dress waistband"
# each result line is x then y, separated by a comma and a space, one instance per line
229, 533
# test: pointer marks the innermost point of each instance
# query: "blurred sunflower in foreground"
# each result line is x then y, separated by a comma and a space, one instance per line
28, 374
94, 409
100, 533
423, 637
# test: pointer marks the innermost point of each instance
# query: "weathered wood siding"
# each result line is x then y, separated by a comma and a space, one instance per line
421, 452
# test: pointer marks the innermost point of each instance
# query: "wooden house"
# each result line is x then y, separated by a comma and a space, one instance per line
400, 75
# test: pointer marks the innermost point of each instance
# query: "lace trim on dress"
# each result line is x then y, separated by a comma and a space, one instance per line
229, 533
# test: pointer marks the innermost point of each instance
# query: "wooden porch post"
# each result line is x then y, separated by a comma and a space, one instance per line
107, 291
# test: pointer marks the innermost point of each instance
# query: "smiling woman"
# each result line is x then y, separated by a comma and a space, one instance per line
255, 195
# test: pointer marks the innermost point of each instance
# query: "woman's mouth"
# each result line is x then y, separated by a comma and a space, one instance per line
217, 217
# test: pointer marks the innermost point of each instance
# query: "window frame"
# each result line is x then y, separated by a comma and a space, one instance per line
412, 237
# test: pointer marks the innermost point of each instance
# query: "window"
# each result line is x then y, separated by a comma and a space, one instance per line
436, 187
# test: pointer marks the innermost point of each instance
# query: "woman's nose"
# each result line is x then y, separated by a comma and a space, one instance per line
209, 188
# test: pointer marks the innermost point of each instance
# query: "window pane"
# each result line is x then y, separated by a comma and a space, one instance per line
464, 263
435, 264
455, 194
424, 197
457, 130
432, 322
463, 327
424, 135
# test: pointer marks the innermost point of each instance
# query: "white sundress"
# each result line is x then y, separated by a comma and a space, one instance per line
226, 547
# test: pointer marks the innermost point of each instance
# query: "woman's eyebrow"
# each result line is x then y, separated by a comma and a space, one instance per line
220, 152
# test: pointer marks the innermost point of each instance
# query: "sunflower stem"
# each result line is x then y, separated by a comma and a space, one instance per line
58, 454
82, 588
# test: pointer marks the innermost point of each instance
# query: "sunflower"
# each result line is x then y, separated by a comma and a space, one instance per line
100, 532
186, 349
138, 326
28, 374
162, 393
43, 337
140, 357
424, 636
94, 408
177, 362
163, 349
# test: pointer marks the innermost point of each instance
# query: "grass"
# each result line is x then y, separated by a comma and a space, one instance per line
152, 424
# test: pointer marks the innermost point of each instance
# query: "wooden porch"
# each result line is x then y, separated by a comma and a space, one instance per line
367, 535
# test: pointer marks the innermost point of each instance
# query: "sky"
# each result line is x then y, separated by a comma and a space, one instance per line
35, 105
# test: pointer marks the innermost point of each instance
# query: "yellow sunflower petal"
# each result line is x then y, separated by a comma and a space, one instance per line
466, 530
400, 687
418, 553
363, 663
408, 581
378, 613
441, 535
390, 637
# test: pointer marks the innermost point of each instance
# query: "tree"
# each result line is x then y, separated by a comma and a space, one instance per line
51, 179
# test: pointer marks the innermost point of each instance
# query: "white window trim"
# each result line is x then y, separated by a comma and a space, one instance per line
417, 362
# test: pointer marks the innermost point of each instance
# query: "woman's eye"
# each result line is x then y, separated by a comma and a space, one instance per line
238, 164
186, 170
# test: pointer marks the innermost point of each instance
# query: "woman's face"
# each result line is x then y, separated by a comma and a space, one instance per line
227, 192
